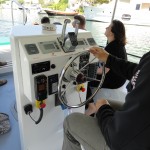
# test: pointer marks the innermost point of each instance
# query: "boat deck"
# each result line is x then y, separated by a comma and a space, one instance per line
10, 140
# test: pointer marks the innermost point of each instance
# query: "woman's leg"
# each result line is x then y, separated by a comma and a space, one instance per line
84, 130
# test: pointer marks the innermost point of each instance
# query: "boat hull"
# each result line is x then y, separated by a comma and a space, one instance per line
133, 17
60, 13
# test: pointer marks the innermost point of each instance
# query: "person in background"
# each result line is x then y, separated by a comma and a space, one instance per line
116, 41
125, 128
2, 82
82, 22
45, 20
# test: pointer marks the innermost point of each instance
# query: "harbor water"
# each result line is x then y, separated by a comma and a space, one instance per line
138, 37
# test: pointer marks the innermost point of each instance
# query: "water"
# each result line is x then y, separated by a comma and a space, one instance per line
138, 37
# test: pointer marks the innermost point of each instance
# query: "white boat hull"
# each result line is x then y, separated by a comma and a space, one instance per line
135, 17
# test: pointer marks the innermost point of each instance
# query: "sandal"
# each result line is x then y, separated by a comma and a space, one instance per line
4, 123
2, 82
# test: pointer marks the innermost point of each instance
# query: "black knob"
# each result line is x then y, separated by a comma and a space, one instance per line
53, 66
74, 83
64, 86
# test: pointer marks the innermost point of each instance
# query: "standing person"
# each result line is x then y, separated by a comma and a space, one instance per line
82, 22
116, 41
2, 82
127, 128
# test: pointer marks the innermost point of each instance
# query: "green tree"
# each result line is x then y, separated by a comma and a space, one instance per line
21, 1
2, 1
98, 1
101, 1
62, 5
42, 2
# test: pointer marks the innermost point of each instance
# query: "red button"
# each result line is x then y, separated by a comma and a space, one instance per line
83, 89
43, 105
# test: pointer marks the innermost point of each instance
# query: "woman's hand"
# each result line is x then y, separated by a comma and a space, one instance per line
93, 107
99, 70
100, 103
99, 53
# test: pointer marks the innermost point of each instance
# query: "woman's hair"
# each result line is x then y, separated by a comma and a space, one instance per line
118, 29
81, 19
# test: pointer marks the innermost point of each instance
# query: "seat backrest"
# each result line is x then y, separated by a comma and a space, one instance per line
118, 94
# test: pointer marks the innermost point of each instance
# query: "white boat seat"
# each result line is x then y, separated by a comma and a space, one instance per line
118, 94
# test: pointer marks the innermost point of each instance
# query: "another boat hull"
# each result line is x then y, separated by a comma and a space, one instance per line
135, 17
60, 13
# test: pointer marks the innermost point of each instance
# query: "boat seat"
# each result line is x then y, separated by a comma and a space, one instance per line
118, 94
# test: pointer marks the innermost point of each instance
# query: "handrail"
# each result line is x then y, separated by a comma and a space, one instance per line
20, 6
133, 55
115, 6
127, 53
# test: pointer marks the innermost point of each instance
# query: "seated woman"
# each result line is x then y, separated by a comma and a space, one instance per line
116, 41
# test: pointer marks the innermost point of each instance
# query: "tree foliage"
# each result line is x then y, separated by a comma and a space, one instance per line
21, 1
2, 1
62, 5
101, 1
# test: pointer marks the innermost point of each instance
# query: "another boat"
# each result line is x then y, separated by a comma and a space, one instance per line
60, 13
132, 13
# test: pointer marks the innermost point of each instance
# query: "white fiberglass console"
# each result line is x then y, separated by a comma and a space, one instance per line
39, 62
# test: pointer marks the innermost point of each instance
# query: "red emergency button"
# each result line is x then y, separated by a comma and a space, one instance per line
82, 89
43, 105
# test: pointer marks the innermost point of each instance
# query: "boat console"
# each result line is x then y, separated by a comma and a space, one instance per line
51, 70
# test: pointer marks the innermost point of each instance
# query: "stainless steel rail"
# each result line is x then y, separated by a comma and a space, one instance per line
23, 9
136, 56
133, 55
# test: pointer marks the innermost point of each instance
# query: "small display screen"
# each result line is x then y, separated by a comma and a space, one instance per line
80, 43
48, 46
41, 87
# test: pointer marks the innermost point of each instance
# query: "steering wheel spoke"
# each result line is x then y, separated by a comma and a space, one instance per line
92, 79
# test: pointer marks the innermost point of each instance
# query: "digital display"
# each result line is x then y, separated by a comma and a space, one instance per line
41, 87
48, 46
80, 43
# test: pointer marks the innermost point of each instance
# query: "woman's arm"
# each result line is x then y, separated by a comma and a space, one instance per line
118, 65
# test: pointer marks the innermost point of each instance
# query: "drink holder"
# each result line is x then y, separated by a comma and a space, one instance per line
4, 123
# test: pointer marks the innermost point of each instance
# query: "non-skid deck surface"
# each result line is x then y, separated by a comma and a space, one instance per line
10, 140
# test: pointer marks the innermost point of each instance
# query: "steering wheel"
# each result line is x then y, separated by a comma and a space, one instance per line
75, 80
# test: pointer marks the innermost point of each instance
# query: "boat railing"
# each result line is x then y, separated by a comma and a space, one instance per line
23, 11
129, 54
134, 55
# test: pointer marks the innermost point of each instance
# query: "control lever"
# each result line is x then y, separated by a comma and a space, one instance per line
63, 37
68, 41
73, 38
77, 22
